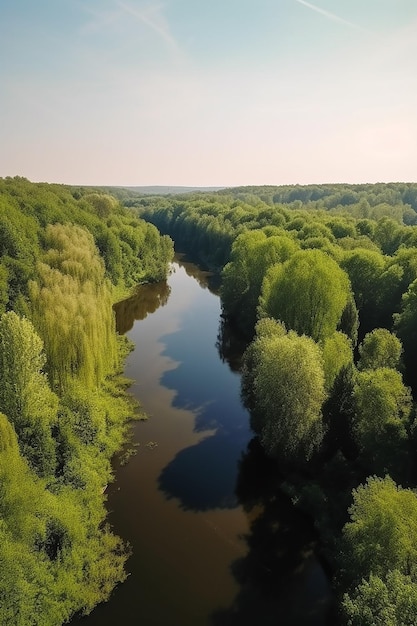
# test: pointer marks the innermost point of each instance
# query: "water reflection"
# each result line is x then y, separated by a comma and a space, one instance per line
147, 300
280, 577
214, 544
230, 344
203, 476
205, 278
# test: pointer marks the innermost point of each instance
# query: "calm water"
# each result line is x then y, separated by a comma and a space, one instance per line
212, 542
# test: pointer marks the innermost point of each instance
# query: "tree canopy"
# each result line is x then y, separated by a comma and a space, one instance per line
65, 255
288, 384
308, 293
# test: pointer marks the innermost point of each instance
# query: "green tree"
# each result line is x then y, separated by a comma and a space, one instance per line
406, 327
72, 309
364, 268
4, 288
308, 293
380, 348
25, 395
349, 321
388, 234
337, 354
377, 602
383, 406
382, 532
252, 254
339, 414
288, 388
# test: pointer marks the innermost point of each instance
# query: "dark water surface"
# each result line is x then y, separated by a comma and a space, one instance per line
212, 543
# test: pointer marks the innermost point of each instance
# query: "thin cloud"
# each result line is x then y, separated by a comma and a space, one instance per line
331, 16
153, 18
99, 20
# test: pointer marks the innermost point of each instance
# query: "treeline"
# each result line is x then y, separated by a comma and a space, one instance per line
65, 255
363, 200
328, 296
206, 224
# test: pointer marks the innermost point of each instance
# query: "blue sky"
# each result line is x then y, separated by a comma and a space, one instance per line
223, 92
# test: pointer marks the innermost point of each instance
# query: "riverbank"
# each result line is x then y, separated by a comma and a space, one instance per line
194, 517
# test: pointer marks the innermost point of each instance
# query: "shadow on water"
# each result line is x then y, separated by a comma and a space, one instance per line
228, 549
202, 477
281, 581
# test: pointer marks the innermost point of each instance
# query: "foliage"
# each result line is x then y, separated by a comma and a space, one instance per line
380, 348
25, 395
71, 284
252, 254
64, 254
406, 327
308, 294
288, 387
383, 406
337, 354
337, 263
381, 535
377, 602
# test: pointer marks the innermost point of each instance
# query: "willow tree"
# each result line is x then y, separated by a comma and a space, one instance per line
288, 393
308, 293
72, 309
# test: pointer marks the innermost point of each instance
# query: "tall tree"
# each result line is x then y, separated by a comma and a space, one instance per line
308, 293
25, 395
383, 407
380, 348
252, 254
406, 327
288, 388
72, 309
382, 532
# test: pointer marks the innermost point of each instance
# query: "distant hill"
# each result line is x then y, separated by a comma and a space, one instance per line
162, 190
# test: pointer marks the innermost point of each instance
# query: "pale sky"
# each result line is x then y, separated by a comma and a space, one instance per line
208, 93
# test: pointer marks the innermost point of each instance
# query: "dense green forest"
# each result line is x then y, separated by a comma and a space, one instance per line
322, 280
66, 255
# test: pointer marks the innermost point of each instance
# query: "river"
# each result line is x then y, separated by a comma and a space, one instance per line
212, 542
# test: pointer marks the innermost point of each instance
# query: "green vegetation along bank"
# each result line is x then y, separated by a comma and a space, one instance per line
323, 282
66, 254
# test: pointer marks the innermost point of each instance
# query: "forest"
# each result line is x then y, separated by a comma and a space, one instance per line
66, 256
322, 282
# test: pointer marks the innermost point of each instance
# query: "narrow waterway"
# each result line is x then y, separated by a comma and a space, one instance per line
212, 543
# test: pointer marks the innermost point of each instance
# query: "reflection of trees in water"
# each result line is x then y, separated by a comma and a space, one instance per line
281, 581
205, 278
230, 344
146, 300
